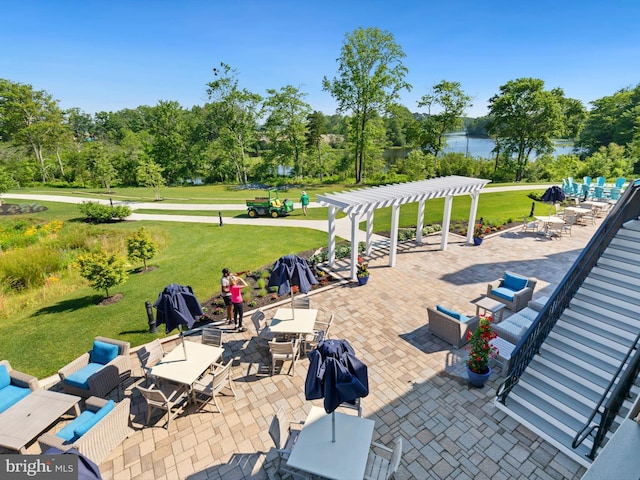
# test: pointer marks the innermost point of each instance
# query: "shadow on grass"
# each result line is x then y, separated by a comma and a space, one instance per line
70, 305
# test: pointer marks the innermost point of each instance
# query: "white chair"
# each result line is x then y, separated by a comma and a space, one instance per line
149, 355
262, 330
320, 332
285, 351
212, 336
356, 405
380, 468
206, 388
529, 226
284, 436
301, 302
569, 221
167, 397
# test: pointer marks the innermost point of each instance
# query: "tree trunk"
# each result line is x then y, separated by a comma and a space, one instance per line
60, 162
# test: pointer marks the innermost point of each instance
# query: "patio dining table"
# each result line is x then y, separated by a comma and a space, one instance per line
344, 459
548, 223
300, 321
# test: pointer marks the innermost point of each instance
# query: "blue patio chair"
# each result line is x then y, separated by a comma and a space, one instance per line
600, 181
620, 181
586, 181
598, 193
614, 194
585, 190
576, 189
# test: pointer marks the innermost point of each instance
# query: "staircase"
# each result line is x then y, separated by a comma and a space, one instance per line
557, 391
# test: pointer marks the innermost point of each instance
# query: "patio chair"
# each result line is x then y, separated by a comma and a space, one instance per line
614, 194
381, 468
569, 221
301, 302
167, 397
529, 225
150, 355
284, 436
356, 405
320, 332
99, 371
262, 330
208, 387
285, 351
620, 181
600, 181
450, 325
513, 290
212, 336
14, 385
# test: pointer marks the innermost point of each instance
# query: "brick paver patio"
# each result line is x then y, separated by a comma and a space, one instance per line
417, 382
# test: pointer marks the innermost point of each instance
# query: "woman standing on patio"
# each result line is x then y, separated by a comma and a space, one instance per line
237, 284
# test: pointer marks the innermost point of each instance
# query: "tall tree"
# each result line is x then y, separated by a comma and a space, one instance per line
450, 102
29, 117
234, 113
525, 117
370, 77
149, 174
286, 126
316, 127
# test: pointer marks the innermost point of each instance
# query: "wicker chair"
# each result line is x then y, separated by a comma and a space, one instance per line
103, 380
451, 329
520, 297
20, 385
100, 439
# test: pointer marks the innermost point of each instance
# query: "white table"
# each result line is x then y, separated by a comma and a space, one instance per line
299, 321
489, 305
346, 459
577, 210
175, 368
549, 221
23, 422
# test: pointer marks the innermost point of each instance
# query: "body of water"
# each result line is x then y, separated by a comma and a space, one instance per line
481, 147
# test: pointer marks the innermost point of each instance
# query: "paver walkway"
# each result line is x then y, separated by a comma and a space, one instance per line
418, 388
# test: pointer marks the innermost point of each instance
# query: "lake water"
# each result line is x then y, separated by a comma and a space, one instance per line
481, 147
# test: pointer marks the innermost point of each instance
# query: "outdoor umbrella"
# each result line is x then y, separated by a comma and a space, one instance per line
553, 195
289, 271
336, 375
176, 306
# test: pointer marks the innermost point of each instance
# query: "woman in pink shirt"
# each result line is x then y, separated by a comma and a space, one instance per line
237, 284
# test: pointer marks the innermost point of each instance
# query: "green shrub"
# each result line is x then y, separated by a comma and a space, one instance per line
261, 283
103, 270
98, 213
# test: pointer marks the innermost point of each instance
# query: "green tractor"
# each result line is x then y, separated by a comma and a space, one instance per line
270, 205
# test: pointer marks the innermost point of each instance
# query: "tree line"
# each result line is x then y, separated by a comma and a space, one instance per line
240, 136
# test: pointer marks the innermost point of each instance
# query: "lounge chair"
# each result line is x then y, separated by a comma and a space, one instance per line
513, 290
450, 325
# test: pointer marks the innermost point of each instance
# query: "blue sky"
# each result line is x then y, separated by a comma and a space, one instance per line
110, 55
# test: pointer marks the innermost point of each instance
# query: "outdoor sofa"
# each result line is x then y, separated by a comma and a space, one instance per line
450, 325
95, 432
14, 385
99, 371
513, 290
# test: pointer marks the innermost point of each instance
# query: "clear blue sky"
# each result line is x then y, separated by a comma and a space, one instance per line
110, 55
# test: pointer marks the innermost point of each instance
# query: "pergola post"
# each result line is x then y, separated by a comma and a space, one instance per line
369, 232
446, 221
420, 221
332, 236
393, 247
354, 245
475, 196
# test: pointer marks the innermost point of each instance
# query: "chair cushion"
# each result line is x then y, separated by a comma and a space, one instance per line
103, 352
452, 313
97, 416
80, 378
5, 378
504, 292
10, 395
514, 282
67, 433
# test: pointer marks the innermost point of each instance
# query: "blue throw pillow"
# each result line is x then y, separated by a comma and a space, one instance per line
103, 352
99, 415
5, 378
452, 313
514, 282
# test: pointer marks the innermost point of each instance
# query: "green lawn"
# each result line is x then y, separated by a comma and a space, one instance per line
45, 337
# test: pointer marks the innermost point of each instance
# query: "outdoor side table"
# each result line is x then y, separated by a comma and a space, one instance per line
494, 307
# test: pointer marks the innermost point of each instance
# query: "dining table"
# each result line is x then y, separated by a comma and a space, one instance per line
346, 458
550, 222
178, 368
293, 321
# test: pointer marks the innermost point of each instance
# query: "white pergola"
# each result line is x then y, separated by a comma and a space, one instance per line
361, 203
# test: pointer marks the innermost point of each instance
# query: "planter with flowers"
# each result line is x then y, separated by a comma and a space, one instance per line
479, 232
362, 272
480, 352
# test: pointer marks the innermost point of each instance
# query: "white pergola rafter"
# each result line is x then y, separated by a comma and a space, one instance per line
364, 201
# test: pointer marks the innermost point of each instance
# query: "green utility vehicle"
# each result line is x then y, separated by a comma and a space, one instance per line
270, 205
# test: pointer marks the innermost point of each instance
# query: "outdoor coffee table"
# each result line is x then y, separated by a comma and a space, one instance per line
346, 459
489, 305
23, 422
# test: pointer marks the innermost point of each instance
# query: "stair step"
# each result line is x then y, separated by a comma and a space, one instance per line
620, 242
619, 254
606, 297
632, 225
618, 317
574, 321
573, 371
558, 380
593, 344
560, 397
616, 276
628, 295
620, 264
572, 353
629, 234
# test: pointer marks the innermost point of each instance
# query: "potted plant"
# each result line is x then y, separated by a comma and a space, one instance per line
481, 351
479, 232
363, 271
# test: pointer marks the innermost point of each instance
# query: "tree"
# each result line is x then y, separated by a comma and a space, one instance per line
285, 125
149, 174
6, 181
103, 270
370, 77
141, 247
234, 114
316, 127
524, 117
451, 102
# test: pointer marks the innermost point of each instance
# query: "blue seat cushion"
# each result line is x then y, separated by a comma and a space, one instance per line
80, 378
452, 313
83, 428
504, 292
514, 282
67, 433
10, 395
103, 352
5, 378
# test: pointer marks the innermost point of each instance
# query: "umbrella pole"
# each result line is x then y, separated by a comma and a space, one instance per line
184, 347
293, 312
333, 427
